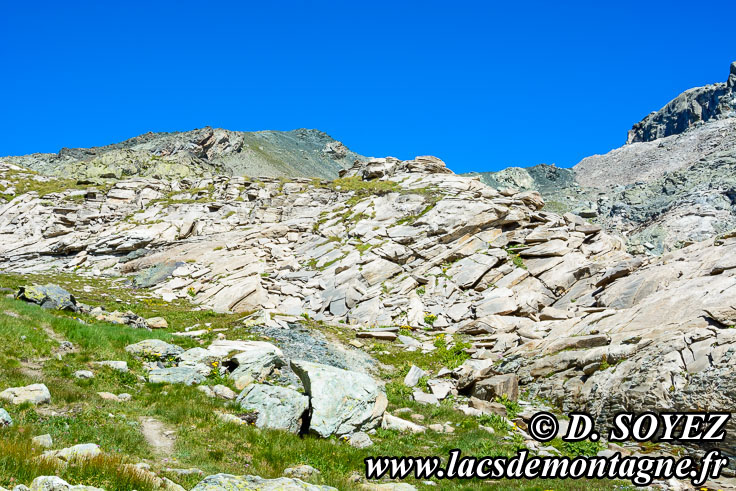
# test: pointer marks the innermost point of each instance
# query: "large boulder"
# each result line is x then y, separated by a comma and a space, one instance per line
228, 482
154, 349
48, 296
35, 394
277, 407
342, 401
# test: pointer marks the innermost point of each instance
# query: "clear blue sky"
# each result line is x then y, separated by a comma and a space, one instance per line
482, 85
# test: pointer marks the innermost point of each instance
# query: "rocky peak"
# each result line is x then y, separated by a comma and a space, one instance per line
199, 153
693, 106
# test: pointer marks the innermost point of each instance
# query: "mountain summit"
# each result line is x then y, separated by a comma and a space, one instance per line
700, 104
199, 153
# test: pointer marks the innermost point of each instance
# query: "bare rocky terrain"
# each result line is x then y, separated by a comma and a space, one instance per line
518, 308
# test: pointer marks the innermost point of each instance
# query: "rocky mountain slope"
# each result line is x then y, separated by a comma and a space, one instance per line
400, 286
690, 108
201, 152
672, 184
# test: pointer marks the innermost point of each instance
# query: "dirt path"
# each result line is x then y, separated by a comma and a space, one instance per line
34, 368
158, 437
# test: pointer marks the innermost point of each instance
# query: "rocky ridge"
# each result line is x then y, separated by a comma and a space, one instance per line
199, 153
693, 106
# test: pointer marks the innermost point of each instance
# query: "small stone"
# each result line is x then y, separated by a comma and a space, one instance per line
224, 392
157, 323
120, 366
108, 396
413, 376
393, 423
5, 419
424, 398
302, 471
44, 441
360, 440
83, 374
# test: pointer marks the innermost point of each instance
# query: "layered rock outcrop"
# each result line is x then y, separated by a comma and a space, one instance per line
551, 299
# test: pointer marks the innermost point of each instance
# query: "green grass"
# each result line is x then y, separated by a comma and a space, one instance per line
77, 415
27, 181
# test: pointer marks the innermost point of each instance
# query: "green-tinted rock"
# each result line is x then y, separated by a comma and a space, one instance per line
48, 296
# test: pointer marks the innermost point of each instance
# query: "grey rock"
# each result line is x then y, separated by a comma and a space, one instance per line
83, 374
5, 419
360, 439
44, 441
255, 364
224, 392
302, 471
687, 109
228, 482
412, 377
53, 483
35, 394
176, 375
342, 401
77, 452
424, 398
619, 271
120, 366
48, 296
154, 349
155, 274
390, 422
497, 386
277, 407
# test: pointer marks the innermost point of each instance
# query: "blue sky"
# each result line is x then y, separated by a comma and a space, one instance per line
482, 85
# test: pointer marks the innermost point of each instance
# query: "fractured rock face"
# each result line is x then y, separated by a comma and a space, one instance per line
692, 106
341, 401
277, 407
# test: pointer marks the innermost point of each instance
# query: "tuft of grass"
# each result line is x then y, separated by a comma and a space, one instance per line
512, 407
20, 462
